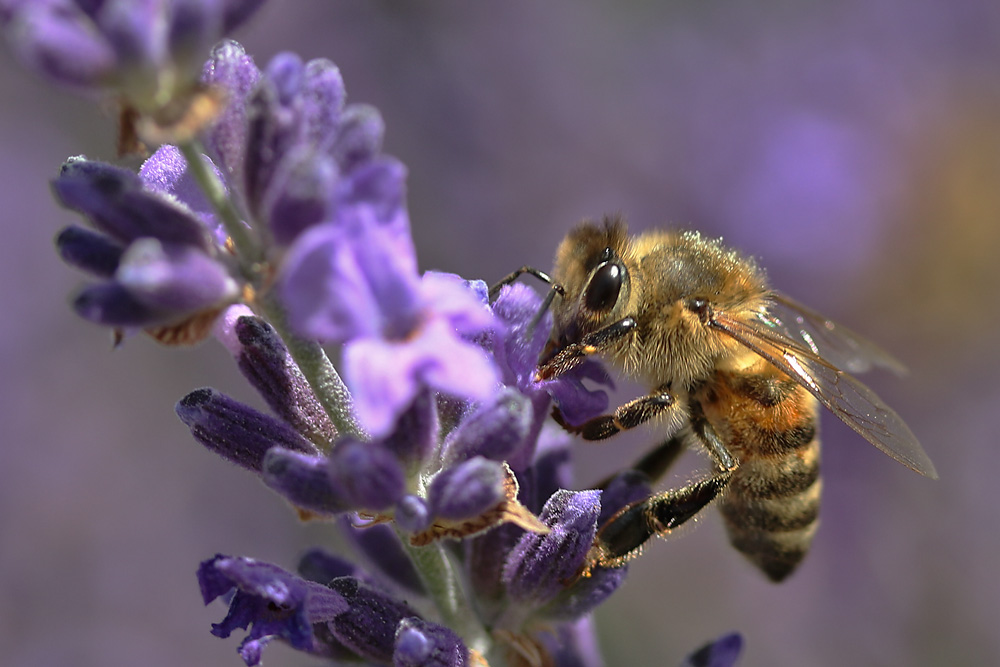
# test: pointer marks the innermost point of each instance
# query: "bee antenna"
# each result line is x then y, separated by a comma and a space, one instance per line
546, 303
514, 275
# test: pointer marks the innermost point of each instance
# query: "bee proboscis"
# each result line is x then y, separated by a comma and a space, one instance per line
732, 366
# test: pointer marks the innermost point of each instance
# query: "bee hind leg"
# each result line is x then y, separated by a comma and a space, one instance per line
622, 537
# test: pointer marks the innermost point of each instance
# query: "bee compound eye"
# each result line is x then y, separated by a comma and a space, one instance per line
604, 287
699, 307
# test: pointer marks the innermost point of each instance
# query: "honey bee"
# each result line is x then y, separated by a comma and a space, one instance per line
732, 365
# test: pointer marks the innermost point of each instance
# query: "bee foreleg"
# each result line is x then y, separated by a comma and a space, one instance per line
622, 536
632, 414
573, 354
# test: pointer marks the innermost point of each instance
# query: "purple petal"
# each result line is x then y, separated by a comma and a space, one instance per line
166, 172
174, 277
275, 602
236, 431
466, 490
339, 286
423, 644
454, 299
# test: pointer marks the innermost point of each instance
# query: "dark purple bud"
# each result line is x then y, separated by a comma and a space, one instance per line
487, 554
374, 192
230, 68
552, 469
299, 194
61, 41
360, 136
466, 490
322, 567
412, 514
573, 644
369, 475
273, 603
540, 566
582, 596
423, 644
88, 250
236, 431
286, 72
416, 431
369, 627
723, 652
174, 277
264, 359
494, 431
134, 31
323, 101
194, 26
382, 548
112, 305
115, 201
304, 481
274, 125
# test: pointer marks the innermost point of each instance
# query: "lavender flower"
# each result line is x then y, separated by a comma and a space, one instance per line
288, 231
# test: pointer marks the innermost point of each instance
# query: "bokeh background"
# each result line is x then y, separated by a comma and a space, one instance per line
852, 146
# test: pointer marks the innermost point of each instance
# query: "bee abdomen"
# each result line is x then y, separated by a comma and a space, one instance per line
771, 509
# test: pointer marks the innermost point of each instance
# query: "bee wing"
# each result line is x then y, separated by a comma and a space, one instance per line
833, 342
854, 403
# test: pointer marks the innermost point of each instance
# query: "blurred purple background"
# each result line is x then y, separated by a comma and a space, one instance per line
853, 147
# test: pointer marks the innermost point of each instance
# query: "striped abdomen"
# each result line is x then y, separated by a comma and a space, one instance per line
771, 506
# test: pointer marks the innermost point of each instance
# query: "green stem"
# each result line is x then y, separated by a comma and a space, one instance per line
246, 247
330, 390
441, 580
